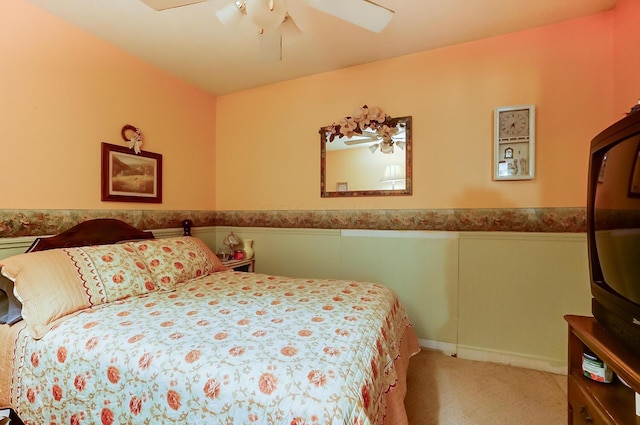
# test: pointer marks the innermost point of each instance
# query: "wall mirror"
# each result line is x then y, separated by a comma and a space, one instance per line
375, 162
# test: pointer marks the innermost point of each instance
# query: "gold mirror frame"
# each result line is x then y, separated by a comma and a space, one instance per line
408, 189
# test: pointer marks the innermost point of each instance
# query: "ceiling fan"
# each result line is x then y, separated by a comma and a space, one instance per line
273, 19
375, 141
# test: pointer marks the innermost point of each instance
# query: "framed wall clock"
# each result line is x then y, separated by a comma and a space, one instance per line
514, 143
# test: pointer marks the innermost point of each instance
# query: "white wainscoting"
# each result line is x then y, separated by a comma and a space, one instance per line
489, 296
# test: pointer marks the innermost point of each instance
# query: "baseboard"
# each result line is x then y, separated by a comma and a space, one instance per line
443, 347
512, 359
492, 356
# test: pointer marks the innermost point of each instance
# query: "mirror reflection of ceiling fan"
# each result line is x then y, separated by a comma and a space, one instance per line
375, 141
368, 136
273, 19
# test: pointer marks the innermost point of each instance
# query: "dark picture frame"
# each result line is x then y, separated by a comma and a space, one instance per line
131, 177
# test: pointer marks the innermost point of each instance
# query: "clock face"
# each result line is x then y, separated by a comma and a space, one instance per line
514, 123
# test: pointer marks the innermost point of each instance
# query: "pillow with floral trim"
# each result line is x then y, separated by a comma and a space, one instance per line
58, 282
175, 260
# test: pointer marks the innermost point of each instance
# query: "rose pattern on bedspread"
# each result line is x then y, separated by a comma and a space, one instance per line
226, 348
175, 260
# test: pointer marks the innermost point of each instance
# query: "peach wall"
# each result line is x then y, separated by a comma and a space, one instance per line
267, 138
626, 58
64, 92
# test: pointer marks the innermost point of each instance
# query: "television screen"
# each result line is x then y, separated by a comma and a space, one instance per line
613, 229
617, 218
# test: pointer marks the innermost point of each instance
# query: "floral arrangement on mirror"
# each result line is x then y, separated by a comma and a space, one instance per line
364, 118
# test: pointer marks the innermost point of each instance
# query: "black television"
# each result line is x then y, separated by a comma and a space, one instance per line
613, 229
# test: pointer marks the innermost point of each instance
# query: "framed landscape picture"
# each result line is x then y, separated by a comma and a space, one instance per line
130, 177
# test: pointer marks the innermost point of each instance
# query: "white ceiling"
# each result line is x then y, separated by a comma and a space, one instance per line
192, 44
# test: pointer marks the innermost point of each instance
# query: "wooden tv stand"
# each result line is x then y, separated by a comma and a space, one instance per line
596, 403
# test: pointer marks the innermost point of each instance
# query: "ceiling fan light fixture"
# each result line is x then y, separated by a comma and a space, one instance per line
231, 13
386, 147
266, 14
274, 22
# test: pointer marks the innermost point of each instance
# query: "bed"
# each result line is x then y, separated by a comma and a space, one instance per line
118, 327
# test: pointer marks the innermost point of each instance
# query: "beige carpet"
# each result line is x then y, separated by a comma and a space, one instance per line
444, 390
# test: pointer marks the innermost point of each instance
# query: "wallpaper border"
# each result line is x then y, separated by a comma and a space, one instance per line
15, 223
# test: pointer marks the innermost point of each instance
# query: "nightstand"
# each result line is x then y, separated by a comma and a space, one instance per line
246, 265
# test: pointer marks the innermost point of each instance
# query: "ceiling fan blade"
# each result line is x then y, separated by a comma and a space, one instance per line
270, 46
356, 140
169, 4
289, 29
363, 13
367, 136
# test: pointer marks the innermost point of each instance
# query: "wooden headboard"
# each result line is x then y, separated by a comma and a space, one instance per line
99, 231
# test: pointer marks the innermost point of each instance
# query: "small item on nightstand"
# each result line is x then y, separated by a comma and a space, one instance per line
247, 245
231, 240
238, 254
223, 256
594, 368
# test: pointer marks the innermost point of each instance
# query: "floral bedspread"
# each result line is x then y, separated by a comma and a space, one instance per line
227, 348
